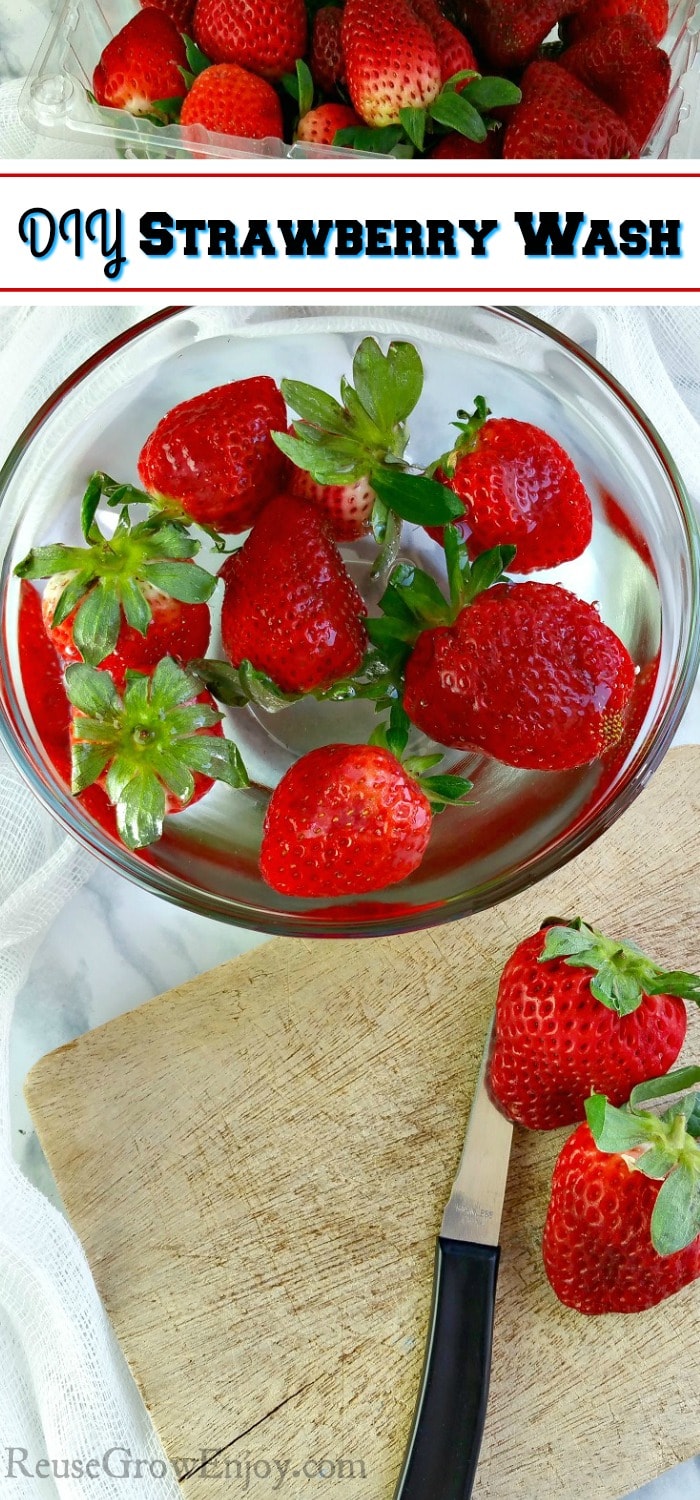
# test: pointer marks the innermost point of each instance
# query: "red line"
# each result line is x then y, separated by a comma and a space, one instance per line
80, 291
542, 177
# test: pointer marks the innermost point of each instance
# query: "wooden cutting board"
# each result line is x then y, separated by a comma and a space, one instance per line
256, 1164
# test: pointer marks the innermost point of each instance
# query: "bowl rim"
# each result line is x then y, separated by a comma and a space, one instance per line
310, 922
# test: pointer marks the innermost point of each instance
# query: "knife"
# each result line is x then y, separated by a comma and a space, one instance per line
448, 1425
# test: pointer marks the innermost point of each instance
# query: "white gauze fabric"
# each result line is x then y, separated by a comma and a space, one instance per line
65, 1390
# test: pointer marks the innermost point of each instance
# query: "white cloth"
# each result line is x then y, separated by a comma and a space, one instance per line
64, 1388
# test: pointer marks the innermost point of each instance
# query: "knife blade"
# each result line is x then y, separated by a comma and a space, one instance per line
443, 1449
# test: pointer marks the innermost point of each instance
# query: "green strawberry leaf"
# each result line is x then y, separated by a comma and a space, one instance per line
140, 808
197, 61
451, 84
420, 594
443, 790
135, 605
382, 140
88, 510
684, 985
314, 406
169, 686
388, 385
71, 595
486, 94
184, 581
421, 501
88, 761
176, 776
97, 623
661, 1088
675, 1221
93, 693
455, 112
216, 757
616, 1130
305, 87
621, 973
414, 122
393, 735
43, 562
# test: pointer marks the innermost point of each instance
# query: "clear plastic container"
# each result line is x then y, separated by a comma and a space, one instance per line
55, 101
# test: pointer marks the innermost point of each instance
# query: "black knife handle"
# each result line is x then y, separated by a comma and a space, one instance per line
448, 1425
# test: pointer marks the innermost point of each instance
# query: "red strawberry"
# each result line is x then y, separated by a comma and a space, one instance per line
347, 507
230, 101
518, 487
507, 33
290, 608
322, 124
527, 673
156, 749
347, 819
617, 1240
42, 679
344, 819
180, 12
326, 61
597, 12
454, 51
391, 59
267, 37
559, 117
577, 1013
127, 601
213, 455
621, 63
453, 146
141, 64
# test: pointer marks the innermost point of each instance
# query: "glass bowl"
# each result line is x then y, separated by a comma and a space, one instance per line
641, 569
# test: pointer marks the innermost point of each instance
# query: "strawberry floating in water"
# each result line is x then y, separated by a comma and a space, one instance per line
212, 460
525, 672
623, 1223
347, 819
518, 487
126, 600
290, 607
578, 1013
155, 749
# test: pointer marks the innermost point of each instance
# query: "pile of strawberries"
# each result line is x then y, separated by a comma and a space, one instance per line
585, 1030
431, 78
523, 671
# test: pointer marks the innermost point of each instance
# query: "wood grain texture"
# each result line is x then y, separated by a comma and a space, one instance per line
256, 1164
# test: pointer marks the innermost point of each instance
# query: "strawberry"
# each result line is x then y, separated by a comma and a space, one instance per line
559, 117
155, 749
597, 12
578, 1013
126, 601
454, 52
623, 1224
230, 101
347, 819
180, 12
290, 608
42, 678
266, 37
321, 125
326, 59
391, 59
213, 458
507, 33
621, 63
518, 487
524, 672
141, 65
453, 146
347, 507
348, 450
